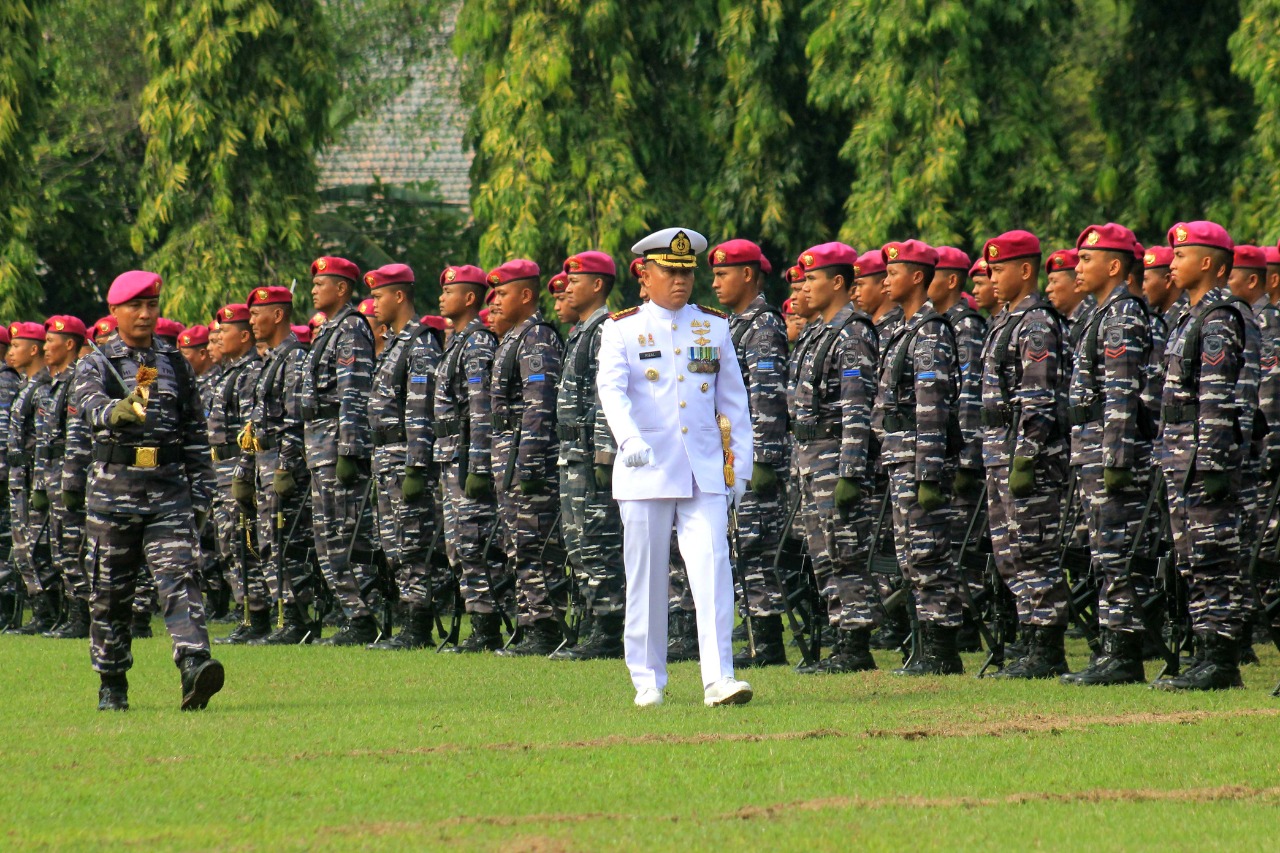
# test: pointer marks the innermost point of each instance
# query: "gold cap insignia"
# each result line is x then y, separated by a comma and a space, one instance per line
574, 265
680, 244
262, 293
495, 279
1180, 234
368, 279
1149, 258
892, 252
186, 340
228, 313
58, 325
857, 271
720, 256
993, 251
806, 259
450, 274
322, 265
1092, 239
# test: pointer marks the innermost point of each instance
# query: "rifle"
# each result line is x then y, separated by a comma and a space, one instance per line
902, 596
809, 649
1157, 561
1076, 565
1267, 568
569, 617
994, 647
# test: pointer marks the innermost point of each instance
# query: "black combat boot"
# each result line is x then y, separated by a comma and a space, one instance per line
8, 604
140, 628
770, 648
970, 638
852, 652
218, 604
603, 643
202, 676
1047, 658
414, 634
892, 633
1248, 657
76, 626
360, 631
540, 639
486, 635
113, 694
1220, 669
258, 627
294, 632
43, 616
682, 639
1119, 663
938, 654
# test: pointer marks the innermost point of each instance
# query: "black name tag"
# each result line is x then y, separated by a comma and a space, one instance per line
651, 354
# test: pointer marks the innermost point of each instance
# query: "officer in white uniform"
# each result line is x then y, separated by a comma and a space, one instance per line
667, 369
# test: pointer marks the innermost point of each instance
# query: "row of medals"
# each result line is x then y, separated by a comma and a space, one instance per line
702, 358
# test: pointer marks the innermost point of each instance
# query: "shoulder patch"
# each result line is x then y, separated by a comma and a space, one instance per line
712, 311
624, 313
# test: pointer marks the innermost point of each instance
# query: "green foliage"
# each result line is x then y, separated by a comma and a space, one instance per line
1254, 205
235, 111
19, 103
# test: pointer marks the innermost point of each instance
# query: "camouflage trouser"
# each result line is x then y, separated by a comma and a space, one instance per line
1025, 538
1268, 589
1113, 525
237, 536
923, 542
1079, 511
119, 546
31, 540
467, 524
839, 543
962, 509
66, 535
527, 522
337, 518
9, 577
1219, 596
759, 532
592, 532
298, 586
405, 529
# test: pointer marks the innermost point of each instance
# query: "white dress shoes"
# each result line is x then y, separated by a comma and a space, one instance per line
648, 697
727, 691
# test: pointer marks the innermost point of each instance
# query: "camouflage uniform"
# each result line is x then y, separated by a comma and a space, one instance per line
334, 394
589, 516
227, 404
143, 512
1268, 317
760, 340
970, 329
66, 527
214, 567
912, 414
1078, 320
524, 373
400, 423
273, 405
1112, 430
463, 430
831, 422
30, 533
1023, 392
10, 382
1078, 536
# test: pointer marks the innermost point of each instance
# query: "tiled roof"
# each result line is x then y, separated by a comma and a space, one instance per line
417, 137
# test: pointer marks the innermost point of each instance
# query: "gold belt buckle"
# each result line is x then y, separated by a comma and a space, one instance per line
146, 457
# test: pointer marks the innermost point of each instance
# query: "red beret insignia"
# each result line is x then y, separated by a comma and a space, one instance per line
720, 256
1180, 234
857, 270
574, 265
262, 293
1092, 239
322, 265
495, 279
450, 274
892, 252
186, 340
1149, 258
368, 279
993, 251
806, 259
58, 325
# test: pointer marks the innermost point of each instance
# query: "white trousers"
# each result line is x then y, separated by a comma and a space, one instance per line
701, 524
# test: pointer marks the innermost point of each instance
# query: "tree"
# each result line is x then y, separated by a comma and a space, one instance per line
19, 99
1253, 210
235, 111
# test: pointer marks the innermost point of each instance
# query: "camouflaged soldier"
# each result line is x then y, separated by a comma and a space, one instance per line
1076, 306
149, 480
235, 511
335, 396
526, 369
915, 419
64, 335
462, 449
831, 422
1210, 393
400, 421
196, 345
1111, 438
589, 516
272, 470
28, 508
10, 579
759, 336
1024, 382
871, 297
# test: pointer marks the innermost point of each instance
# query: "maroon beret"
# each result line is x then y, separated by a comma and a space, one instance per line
1063, 260
951, 258
490, 297
794, 274
588, 262
365, 307
336, 266
65, 324
1111, 237
1139, 250
134, 284
828, 255
558, 283
636, 266
520, 269
167, 328
317, 320
1011, 245
195, 336
234, 313
388, 275
302, 333
1157, 256
1273, 255
105, 326
269, 296
434, 321
870, 263
1200, 233
1249, 258
465, 274
909, 252
788, 306
979, 268
735, 252
29, 331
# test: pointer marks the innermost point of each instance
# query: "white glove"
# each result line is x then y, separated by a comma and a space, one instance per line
739, 489
636, 454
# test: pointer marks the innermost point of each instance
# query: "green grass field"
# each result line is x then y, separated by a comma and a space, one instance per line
317, 748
